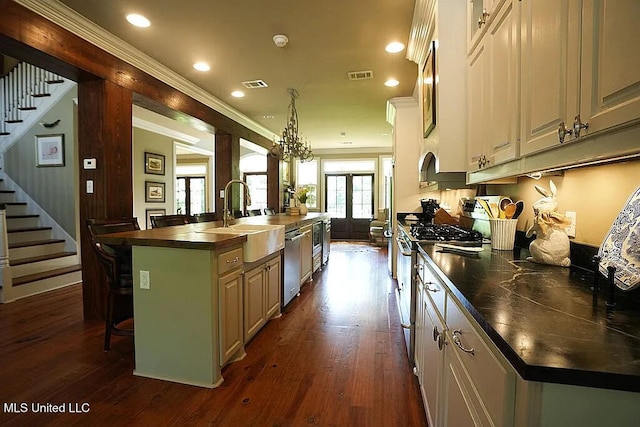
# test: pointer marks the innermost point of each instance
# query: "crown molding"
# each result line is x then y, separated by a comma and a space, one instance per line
77, 24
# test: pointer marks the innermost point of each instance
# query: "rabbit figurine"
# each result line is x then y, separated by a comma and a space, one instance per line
551, 245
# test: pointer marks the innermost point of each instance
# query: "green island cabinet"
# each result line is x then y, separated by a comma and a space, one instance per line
193, 318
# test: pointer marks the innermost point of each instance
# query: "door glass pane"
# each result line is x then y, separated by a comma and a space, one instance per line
197, 193
181, 195
337, 196
362, 197
258, 190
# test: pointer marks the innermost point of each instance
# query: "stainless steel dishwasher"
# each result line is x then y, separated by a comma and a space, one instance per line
291, 283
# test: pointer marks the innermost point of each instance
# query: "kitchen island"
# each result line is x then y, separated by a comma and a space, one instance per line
519, 343
197, 298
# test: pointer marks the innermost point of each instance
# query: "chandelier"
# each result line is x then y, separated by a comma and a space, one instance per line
290, 144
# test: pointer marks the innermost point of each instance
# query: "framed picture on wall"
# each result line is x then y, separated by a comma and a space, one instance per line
429, 91
50, 150
154, 192
153, 163
154, 212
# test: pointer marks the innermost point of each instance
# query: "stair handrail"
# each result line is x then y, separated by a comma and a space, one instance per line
5, 270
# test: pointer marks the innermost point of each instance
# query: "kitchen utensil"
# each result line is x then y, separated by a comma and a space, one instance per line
486, 207
495, 210
519, 209
509, 210
502, 204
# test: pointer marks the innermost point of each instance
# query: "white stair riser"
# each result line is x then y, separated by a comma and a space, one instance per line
16, 209
40, 266
7, 197
40, 286
13, 223
28, 236
38, 250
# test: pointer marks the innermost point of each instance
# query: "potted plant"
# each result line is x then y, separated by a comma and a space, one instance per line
303, 195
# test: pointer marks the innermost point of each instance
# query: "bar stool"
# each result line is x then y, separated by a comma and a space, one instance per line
159, 221
116, 261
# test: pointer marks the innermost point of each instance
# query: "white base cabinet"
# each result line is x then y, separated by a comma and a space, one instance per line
466, 381
231, 338
262, 288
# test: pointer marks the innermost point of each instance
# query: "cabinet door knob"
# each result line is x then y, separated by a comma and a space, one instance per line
578, 126
563, 132
483, 19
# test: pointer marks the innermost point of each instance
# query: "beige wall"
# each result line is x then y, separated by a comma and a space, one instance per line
596, 194
144, 140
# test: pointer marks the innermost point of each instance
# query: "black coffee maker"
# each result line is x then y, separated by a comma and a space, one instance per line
429, 208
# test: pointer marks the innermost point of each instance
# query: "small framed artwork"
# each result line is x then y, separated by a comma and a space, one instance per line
429, 91
50, 150
153, 163
154, 212
154, 192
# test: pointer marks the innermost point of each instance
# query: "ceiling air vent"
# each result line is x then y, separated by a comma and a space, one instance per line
360, 75
255, 84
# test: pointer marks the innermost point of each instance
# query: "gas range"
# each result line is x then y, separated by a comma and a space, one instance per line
422, 232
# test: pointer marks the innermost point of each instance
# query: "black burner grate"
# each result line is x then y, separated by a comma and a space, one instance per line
443, 233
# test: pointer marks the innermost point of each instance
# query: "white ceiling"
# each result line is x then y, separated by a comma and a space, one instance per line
327, 39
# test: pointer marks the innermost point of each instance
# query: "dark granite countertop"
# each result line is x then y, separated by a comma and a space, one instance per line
545, 319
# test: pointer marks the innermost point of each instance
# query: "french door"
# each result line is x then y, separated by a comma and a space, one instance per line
349, 202
190, 195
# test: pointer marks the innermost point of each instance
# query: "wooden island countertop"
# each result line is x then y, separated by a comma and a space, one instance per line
192, 236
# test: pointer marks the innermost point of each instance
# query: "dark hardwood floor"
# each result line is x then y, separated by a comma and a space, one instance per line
336, 357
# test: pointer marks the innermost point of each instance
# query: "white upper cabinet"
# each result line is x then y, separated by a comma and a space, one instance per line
550, 70
493, 92
480, 13
610, 75
580, 65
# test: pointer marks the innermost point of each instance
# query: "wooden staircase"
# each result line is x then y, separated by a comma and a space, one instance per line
37, 262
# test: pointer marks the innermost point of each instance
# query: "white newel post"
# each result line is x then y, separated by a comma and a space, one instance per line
5, 271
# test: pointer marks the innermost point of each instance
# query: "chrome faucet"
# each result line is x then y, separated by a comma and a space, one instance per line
247, 196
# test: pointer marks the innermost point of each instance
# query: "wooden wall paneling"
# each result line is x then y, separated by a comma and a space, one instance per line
273, 183
223, 158
104, 133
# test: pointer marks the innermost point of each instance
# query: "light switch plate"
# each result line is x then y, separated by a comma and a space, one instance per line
89, 163
89, 186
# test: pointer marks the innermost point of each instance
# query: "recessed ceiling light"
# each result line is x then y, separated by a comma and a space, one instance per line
391, 83
394, 47
201, 66
237, 94
138, 20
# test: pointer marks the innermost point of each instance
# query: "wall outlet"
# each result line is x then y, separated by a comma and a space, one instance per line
144, 280
571, 229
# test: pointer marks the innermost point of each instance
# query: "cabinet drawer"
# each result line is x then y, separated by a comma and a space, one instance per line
435, 289
493, 380
230, 260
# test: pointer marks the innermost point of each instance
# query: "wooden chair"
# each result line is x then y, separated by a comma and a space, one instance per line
206, 217
159, 221
116, 261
